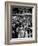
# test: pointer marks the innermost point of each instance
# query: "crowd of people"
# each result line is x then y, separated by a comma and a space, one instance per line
22, 25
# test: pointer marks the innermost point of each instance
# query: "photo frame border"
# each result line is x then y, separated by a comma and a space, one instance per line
7, 38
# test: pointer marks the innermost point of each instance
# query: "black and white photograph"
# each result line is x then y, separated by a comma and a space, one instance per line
21, 22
